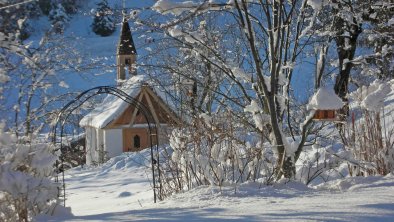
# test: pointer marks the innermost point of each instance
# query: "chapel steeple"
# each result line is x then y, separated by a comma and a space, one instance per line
126, 54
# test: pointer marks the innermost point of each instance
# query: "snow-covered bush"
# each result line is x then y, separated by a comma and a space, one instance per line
325, 160
26, 170
371, 146
214, 151
370, 135
103, 21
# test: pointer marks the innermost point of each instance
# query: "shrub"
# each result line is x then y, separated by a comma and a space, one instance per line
26, 185
370, 135
214, 151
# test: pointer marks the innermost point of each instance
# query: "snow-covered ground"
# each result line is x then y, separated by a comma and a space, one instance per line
120, 191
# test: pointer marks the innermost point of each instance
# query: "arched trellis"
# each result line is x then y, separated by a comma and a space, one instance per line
65, 112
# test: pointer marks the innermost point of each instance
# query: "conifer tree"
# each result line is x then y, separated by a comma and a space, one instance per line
103, 23
15, 21
45, 6
71, 6
58, 18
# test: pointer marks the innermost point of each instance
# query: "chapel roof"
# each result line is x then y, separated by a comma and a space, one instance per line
113, 107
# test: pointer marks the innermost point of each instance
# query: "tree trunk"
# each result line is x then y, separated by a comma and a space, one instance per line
346, 47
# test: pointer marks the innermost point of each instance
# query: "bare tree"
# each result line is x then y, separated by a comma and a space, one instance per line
259, 44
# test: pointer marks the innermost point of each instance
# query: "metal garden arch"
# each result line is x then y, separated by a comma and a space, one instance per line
58, 129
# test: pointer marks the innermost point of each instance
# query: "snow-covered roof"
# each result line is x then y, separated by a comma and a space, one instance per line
325, 99
113, 107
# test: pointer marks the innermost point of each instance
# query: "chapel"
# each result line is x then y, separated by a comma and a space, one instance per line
115, 126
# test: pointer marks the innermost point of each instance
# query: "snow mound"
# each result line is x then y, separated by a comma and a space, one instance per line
60, 212
325, 99
127, 161
358, 183
283, 189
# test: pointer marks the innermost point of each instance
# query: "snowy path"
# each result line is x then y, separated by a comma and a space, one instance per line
117, 192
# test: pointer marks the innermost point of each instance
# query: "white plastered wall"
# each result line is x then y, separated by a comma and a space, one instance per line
91, 153
113, 141
101, 156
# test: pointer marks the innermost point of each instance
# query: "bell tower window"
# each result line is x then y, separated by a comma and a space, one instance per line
127, 61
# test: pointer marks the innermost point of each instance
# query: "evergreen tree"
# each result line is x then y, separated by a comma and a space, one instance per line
45, 6
15, 21
58, 18
103, 23
71, 6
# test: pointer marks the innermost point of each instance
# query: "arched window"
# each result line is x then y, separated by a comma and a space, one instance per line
137, 141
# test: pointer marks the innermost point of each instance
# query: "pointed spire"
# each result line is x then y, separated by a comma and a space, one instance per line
126, 52
126, 43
